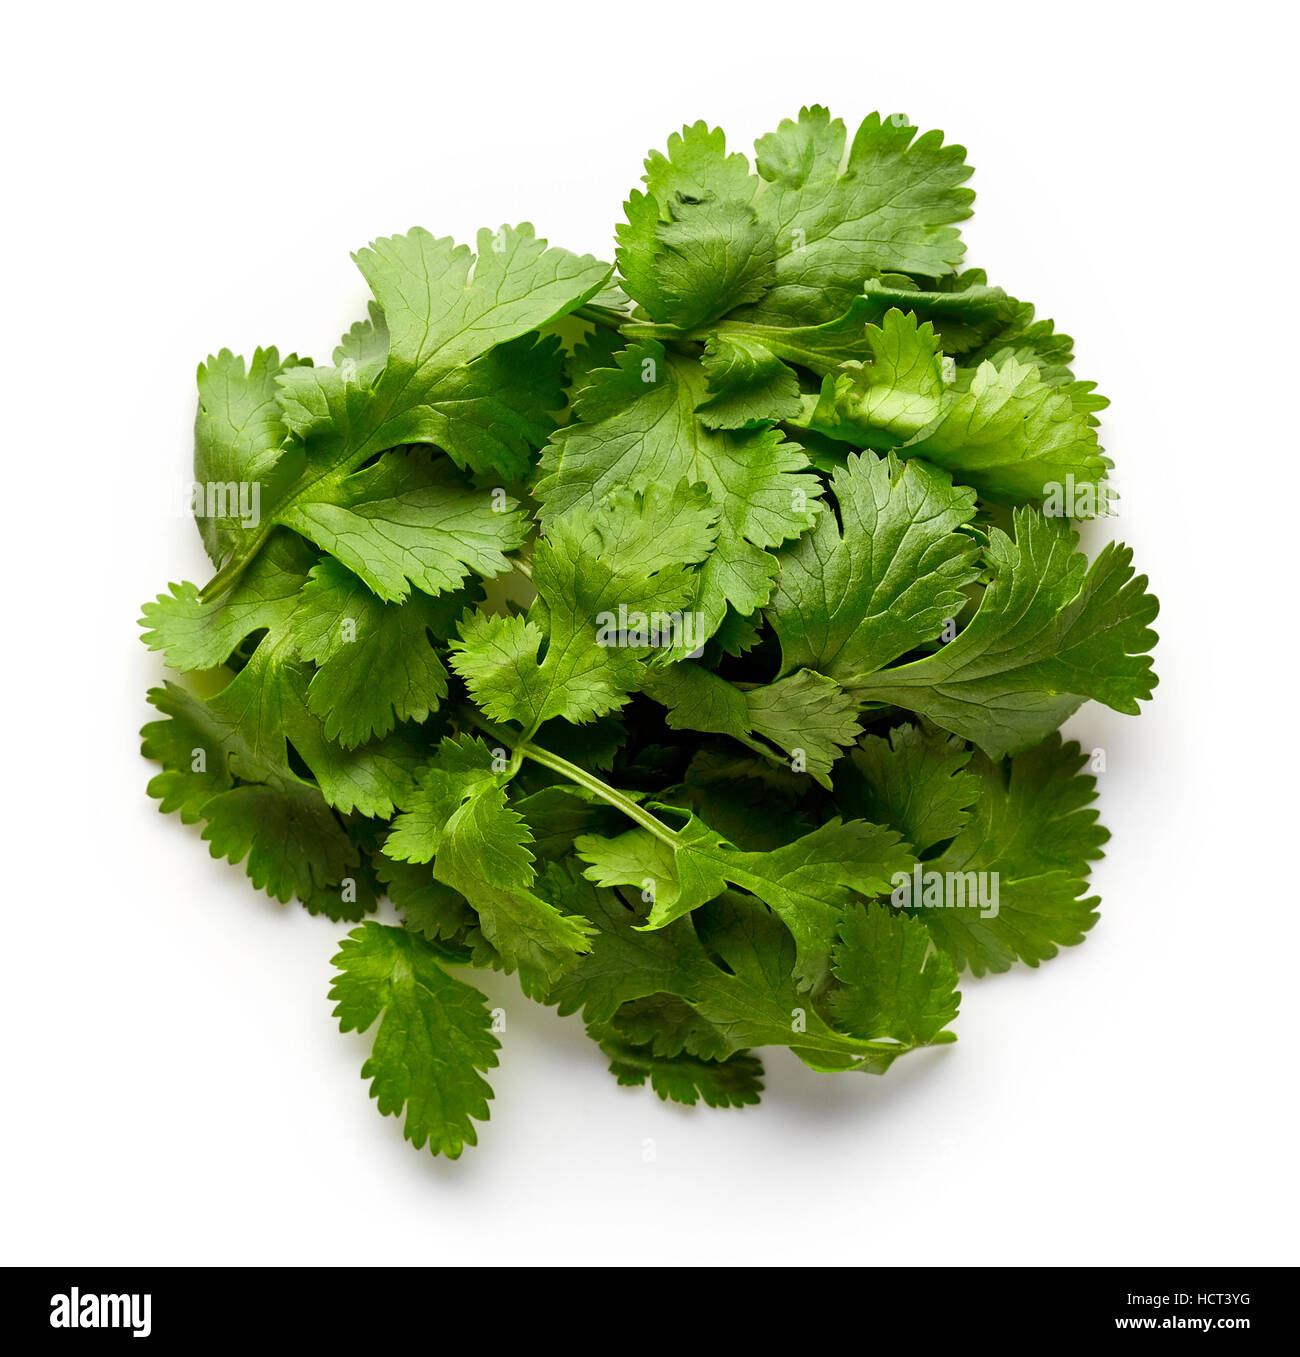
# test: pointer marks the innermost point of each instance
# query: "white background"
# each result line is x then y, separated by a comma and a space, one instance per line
187, 177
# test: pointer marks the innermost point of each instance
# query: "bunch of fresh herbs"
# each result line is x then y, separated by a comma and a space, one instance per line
683, 637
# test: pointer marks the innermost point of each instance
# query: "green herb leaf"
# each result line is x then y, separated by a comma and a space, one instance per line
613, 585
760, 486
434, 1038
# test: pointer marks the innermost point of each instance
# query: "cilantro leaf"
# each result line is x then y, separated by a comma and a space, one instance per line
252, 722
749, 1000
756, 1002
963, 310
1012, 435
1003, 429
557, 815
443, 312
195, 633
806, 715
443, 307
624, 963
480, 846
376, 662
893, 983
819, 348
807, 882
748, 384
713, 257
1032, 825
598, 572
1025, 337
759, 485
459, 766
427, 906
293, 844
485, 856
1050, 632
434, 1038
892, 207
408, 520
915, 780
665, 1025
683, 1078
691, 247
238, 433
893, 398
851, 600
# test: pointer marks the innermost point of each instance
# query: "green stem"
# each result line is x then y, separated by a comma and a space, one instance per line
234, 567
603, 316
601, 789
677, 339
522, 746
636, 329
470, 717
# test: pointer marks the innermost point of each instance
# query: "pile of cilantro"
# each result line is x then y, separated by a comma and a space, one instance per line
634, 630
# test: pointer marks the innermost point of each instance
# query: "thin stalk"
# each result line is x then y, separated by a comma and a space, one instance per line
638, 329
677, 339
233, 568
603, 316
521, 746
601, 789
